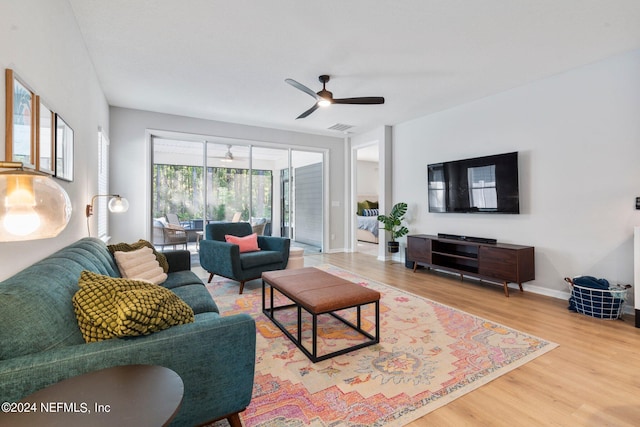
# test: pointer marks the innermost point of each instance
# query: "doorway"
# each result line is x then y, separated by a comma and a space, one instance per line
367, 198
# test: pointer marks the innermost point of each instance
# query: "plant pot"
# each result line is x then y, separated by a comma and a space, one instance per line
393, 247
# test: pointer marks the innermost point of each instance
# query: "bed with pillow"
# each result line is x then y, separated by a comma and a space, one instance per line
367, 219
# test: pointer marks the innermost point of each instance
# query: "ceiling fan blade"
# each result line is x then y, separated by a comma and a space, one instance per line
365, 100
303, 88
309, 111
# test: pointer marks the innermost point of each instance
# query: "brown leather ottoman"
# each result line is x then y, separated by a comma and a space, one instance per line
318, 292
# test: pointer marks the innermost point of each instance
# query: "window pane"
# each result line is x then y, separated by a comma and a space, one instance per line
178, 180
307, 185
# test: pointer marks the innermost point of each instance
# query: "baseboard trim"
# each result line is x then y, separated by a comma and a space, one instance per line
544, 291
564, 295
337, 250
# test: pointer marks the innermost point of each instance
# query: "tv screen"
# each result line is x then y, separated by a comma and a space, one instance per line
480, 185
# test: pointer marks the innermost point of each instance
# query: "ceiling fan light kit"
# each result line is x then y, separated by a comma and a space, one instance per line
325, 98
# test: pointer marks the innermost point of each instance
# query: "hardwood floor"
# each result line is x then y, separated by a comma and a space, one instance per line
591, 379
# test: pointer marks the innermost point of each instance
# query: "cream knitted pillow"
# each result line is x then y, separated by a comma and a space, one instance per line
140, 264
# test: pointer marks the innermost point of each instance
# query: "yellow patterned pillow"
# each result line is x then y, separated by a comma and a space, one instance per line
127, 247
108, 307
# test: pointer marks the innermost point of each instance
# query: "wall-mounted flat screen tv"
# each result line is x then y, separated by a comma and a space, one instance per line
480, 185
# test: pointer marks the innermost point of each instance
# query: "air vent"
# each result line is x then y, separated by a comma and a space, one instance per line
341, 127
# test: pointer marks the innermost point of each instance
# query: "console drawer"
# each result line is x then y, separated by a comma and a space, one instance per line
419, 249
498, 263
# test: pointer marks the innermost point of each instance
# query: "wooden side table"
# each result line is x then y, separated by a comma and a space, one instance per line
132, 395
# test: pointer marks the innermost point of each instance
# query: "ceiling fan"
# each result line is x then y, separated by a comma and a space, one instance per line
325, 98
227, 157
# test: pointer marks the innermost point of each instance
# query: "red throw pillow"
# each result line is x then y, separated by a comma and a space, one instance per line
247, 243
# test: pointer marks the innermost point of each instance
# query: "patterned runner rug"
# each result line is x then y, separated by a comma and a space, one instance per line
429, 354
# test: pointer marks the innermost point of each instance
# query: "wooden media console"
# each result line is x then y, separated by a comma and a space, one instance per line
496, 262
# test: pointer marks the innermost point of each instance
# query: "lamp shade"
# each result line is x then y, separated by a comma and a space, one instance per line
118, 205
32, 206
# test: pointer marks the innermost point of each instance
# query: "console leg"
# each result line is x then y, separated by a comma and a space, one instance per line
521, 289
415, 266
506, 289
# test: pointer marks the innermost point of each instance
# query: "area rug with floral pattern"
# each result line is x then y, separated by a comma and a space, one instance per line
429, 354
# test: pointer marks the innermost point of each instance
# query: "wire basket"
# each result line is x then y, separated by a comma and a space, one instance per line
599, 303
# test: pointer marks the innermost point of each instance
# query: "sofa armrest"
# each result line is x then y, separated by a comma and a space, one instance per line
178, 260
214, 356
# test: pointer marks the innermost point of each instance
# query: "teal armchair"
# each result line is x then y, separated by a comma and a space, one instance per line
224, 259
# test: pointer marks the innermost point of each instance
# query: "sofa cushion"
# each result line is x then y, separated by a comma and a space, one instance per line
197, 297
108, 307
256, 259
127, 247
181, 278
140, 264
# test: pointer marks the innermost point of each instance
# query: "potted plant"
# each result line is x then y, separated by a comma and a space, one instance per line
393, 224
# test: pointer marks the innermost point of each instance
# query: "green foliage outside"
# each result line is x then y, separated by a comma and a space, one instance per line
179, 189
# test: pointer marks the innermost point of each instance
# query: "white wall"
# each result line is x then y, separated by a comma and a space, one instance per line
41, 42
578, 135
130, 166
367, 178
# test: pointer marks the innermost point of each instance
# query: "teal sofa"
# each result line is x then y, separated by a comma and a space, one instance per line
41, 344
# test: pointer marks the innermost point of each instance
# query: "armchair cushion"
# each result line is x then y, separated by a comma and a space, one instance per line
247, 243
250, 260
217, 231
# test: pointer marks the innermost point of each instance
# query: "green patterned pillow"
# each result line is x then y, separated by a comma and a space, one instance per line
128, 247
108, 307
362, 206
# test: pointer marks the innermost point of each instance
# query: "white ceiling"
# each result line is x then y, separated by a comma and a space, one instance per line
227, 60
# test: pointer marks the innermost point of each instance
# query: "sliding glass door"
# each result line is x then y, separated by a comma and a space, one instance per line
204, 181
306, 188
